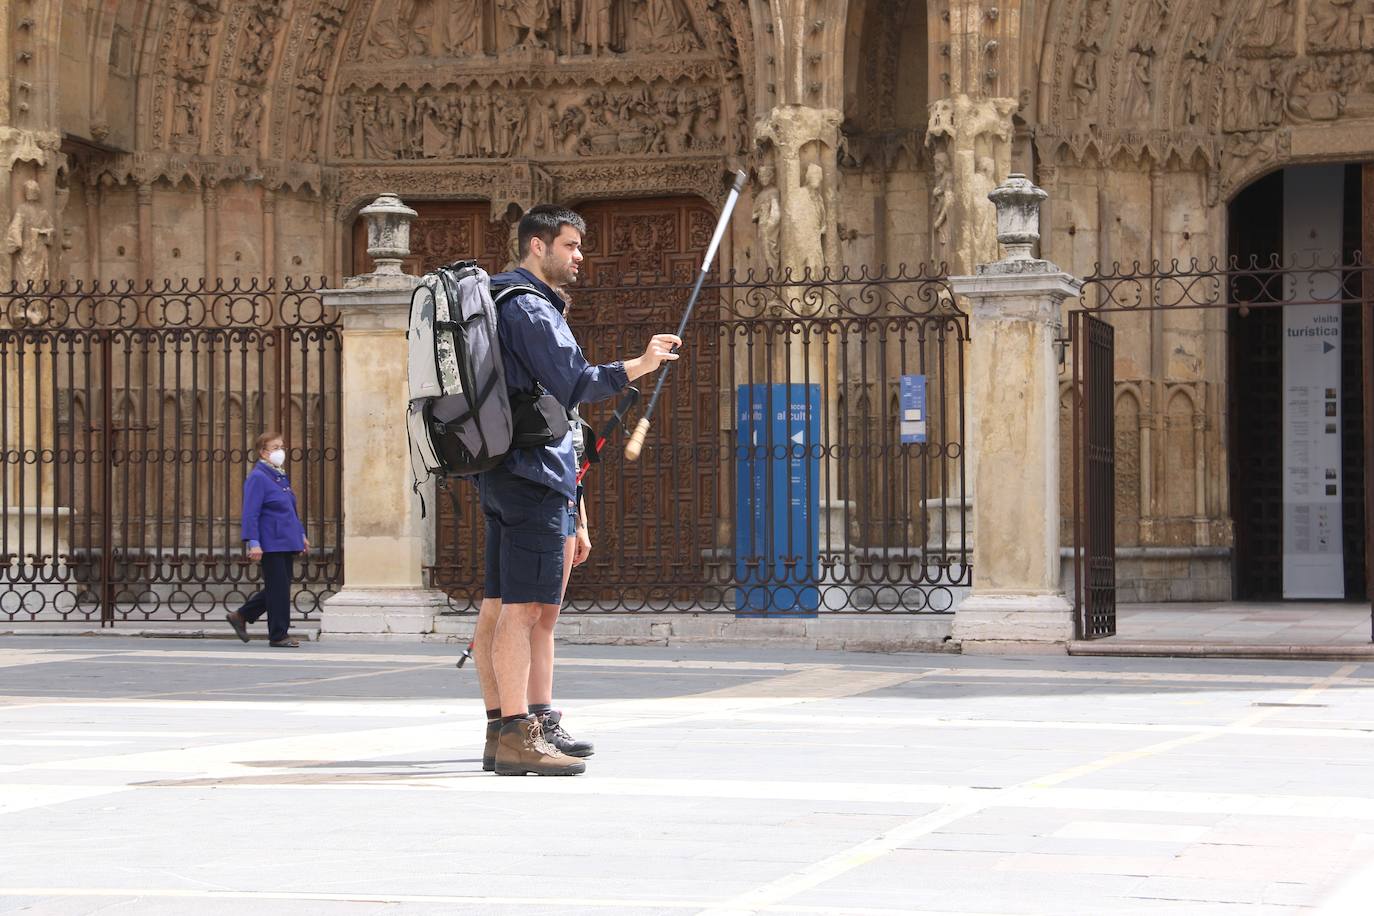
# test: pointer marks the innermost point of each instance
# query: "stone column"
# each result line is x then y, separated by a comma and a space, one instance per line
210, 203
1013, 443
145, 232
386, 542
93, 236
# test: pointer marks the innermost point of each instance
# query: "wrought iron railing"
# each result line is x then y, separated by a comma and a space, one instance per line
127, 415
834, 506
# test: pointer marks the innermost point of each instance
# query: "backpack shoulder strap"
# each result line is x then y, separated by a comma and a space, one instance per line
503, 293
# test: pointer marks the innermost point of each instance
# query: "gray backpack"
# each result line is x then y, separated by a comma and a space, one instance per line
461, 418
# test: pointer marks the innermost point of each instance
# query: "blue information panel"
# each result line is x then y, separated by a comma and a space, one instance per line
777, 517
913, 424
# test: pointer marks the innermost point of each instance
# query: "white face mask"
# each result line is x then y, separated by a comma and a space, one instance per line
277, 457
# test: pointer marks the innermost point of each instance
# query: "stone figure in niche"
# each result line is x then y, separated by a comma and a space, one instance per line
814, 220
1095, 19
601, 28
403, 28
343, 129
482, 117
1152, 26
529, 19
307, 123
1238, 110
1137, 109
463, 28
509, 127
768, 218
1270, 87
708, 116
187, 104
940, 198
247, 115
1200, 45
666, 25
568, 131
199, 32
1084, 79
30, 236
1194, 85
543, 117
1273, 26
465, 143
1329, 24
256, 45
316, 44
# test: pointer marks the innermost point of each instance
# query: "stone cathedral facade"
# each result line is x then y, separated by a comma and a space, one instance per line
143, 139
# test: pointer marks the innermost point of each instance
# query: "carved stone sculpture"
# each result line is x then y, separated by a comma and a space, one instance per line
1329, 24
186, 123
940, 199
768, 218
307, 123
1272, 30
30, 236
600, 27
247, 117
463, 28
666, 25
529, 19
814, 221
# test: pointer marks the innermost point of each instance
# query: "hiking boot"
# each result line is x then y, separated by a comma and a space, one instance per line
555, 735
521, 749
489, 749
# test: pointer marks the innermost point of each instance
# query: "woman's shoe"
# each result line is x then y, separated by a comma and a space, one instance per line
238, 623
284, 644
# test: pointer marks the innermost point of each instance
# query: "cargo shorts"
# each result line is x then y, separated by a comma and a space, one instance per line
527, 527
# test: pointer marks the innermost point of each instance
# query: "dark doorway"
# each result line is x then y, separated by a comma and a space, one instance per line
1255, 414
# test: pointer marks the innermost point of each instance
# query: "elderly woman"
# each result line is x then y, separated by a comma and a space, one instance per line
273, 534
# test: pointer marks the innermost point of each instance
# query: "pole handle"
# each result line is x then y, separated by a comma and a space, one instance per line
636, 443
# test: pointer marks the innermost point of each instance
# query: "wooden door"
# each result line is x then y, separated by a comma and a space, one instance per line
654, 522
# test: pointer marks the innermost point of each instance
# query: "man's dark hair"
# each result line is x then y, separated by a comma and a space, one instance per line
545, 222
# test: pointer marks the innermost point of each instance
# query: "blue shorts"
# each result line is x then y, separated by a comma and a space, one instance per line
527, 527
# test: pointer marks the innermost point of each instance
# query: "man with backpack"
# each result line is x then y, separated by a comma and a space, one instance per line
530, 500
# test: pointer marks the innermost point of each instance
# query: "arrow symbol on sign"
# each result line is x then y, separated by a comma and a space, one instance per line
1327, 347
799, 436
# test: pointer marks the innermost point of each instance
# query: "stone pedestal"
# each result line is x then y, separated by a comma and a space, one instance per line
1014, 447
387, 543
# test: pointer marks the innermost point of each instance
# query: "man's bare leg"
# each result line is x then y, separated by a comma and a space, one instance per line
540, 690
481, 651
511, 655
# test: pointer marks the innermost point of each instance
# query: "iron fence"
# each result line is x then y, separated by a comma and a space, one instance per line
127, 416
807, 453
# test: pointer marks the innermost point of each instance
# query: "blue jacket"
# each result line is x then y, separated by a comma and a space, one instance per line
536, 343
270, 520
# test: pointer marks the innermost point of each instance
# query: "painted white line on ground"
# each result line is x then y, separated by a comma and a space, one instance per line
798, 882
789, 886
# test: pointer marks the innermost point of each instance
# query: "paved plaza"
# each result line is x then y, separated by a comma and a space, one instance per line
160, 776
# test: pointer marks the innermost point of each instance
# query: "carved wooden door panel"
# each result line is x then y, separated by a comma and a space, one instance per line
444, 231
653, 522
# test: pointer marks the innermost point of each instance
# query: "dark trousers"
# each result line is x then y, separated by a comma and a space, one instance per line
275, 596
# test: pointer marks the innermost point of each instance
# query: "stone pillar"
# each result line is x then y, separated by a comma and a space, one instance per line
145, 232
269, 235
1013, 392
93, 237
386, 542
210, 201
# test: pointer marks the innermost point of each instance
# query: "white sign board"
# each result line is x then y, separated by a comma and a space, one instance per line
1313, 555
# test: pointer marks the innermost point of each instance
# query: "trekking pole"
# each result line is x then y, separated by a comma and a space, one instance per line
636, 443
628, 400
617, 419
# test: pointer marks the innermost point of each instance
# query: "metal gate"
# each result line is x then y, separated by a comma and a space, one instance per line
127, 417
1094, 475
876, 518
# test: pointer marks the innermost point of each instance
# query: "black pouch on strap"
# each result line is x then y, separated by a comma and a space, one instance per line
538, 419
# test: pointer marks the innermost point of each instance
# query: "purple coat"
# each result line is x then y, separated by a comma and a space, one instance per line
269, 512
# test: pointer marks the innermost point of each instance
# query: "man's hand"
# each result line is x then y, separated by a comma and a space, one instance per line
307, 545
255, 554
584, 546
659, 351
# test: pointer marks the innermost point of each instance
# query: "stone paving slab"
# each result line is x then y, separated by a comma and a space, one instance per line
218, 778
